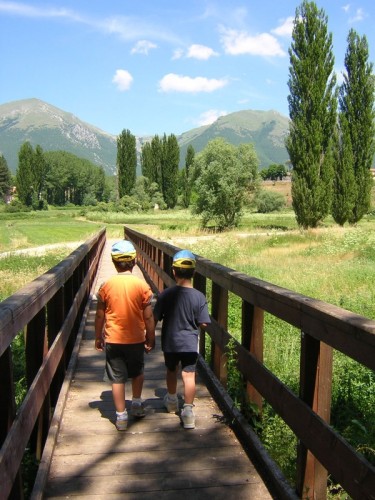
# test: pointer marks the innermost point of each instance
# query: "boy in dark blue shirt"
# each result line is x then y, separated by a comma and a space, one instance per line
183, 309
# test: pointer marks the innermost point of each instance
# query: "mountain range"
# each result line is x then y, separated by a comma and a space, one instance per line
53, 129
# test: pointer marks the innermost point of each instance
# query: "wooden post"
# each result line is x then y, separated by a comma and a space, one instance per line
200, 284
36, 349
316, 391
55, 319
220, 313
252, 339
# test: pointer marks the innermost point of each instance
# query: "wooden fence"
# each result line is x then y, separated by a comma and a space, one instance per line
323, 327
48, 311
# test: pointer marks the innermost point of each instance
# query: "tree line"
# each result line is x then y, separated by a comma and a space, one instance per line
330, 144
331, 139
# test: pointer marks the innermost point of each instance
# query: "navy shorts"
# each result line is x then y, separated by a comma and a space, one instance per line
124, 361
188, 361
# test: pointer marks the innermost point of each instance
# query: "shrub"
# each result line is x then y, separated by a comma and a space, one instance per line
269, 201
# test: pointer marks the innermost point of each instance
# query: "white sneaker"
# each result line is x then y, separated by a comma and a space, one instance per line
171, 404
188, 417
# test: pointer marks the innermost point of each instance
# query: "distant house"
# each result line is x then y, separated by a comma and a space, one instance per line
10, 195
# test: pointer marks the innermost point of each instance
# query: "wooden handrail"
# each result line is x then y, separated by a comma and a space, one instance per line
323, 327
48, 310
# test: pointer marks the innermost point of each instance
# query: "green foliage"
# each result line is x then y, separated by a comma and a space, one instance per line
185, 180
312, 109
126, 162
269, 201
344, 182
356, 100
5, 178
24, 176
223, 173
169, 170
73, 180
274, 172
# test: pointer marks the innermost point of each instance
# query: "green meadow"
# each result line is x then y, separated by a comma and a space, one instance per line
330, 263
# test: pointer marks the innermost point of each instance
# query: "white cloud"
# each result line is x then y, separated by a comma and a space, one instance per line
125, 27
239, 42
210, 116
123, 79
201, 52
143, 47
346, 7
177, 54
359, 16
180, 83
285, 28
22, 9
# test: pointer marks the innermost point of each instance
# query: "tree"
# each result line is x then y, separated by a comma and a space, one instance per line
356, 102
157, 153
24, 174
147, 162
169, 170
185, 180
274, 172
40, 169
312, 108
223, 173
5, 178
343, 183
126, 162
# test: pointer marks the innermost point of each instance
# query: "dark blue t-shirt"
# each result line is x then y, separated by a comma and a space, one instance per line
182, 310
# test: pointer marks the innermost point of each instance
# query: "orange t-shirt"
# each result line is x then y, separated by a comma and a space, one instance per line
125, 297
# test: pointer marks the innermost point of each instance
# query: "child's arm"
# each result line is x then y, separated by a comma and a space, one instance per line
99, 325
148, 318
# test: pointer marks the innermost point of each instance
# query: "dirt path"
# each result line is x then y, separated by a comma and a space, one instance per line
41, 250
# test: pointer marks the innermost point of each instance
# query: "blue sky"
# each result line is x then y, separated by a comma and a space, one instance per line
159, 66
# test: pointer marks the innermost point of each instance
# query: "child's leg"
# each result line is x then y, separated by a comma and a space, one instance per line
118, 393
188, 378
171, 380
137, 385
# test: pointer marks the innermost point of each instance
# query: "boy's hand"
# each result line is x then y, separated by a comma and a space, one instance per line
99, 344
149, 346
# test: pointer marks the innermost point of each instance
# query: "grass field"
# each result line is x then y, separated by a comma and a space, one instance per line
330, 263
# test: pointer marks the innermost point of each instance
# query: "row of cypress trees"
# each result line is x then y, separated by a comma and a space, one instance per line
159, 159
331, 141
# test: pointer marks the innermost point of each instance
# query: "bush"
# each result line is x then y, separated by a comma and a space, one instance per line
269, 201
16, 206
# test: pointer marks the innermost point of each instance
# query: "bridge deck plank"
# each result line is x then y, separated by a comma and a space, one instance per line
155, 457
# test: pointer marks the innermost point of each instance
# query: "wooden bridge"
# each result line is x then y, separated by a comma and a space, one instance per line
66, 419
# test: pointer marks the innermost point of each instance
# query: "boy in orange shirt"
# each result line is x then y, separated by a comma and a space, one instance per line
124, 312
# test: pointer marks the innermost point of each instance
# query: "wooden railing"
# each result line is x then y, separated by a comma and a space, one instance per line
48, 311
323, 327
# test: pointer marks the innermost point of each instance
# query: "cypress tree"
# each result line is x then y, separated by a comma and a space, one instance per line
126, 162
157, 153
343, 182
146, 162
185, 176
170, 162
312, 108
5, 178
356, 100
24, 174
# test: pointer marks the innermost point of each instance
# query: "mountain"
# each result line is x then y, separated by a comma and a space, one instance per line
267, 130
54, 129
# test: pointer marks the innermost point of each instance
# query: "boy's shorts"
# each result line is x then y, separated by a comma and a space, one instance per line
188, 360
124, 361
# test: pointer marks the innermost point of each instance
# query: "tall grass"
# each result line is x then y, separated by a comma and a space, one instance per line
333, 264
